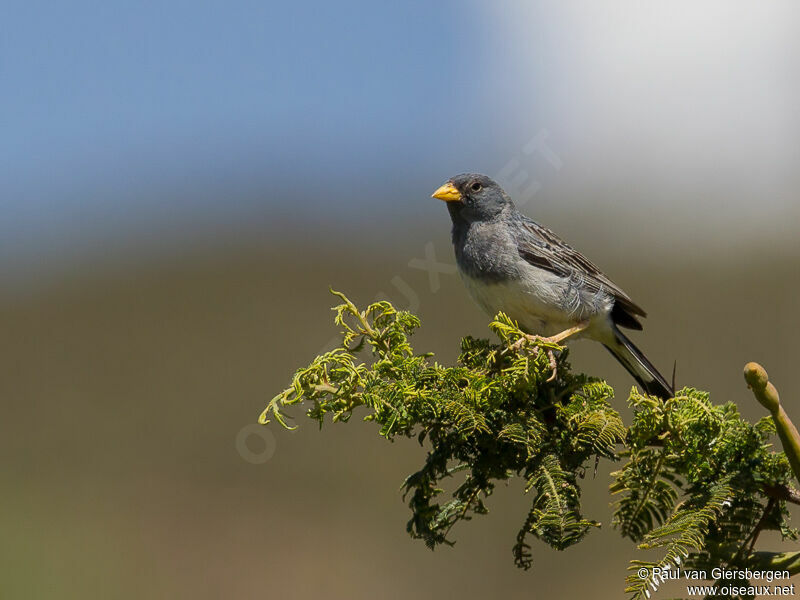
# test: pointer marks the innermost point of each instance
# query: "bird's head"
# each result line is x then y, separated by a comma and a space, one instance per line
473, 197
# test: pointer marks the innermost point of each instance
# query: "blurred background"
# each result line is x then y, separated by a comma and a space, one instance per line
181, 182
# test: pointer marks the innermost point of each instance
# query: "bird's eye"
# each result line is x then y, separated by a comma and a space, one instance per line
476, 187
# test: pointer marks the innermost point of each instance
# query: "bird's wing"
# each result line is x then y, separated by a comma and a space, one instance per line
542, 248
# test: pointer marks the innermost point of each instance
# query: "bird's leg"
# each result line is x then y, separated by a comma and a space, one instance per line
553, 339
560, 337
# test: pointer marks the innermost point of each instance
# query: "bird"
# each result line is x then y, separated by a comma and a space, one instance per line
512, 264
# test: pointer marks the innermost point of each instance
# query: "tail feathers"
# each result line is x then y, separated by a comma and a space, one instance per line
643, 371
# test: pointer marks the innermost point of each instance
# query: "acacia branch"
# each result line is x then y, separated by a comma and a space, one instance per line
498, 414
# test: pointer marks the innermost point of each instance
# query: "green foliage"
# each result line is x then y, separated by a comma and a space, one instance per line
717, 464
694, 487
491, 417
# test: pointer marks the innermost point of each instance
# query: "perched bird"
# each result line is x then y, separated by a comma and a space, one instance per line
512, 264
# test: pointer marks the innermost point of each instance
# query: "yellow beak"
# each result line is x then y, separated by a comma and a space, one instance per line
448, 193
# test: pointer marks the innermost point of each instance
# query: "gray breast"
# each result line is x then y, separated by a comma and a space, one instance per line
499, 279
486, 251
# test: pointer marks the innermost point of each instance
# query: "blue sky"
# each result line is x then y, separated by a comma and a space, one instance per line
135, 114
95, 91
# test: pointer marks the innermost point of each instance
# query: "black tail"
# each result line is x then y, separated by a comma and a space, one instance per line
637, 365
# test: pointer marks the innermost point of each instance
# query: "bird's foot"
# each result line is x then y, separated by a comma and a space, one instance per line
527, 338
553, 366
538, 341
543, 342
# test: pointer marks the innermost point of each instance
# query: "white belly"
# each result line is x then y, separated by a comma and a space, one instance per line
542, 304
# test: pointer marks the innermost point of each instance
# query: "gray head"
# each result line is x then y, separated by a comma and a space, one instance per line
473, 197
